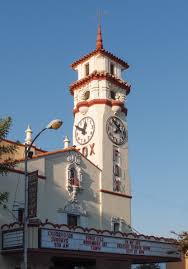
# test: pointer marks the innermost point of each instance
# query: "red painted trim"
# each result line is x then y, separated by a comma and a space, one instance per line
99, 42
21, 145
22, 172
100, 102
101, 52
100, 76
116, 193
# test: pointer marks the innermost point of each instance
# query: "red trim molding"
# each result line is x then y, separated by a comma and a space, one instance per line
100, 76
47, 224
116, 193
22, 172
100, 102
101, 52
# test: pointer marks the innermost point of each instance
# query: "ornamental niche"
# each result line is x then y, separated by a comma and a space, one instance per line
73, 176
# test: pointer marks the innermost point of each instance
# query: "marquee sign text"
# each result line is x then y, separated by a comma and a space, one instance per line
58, 239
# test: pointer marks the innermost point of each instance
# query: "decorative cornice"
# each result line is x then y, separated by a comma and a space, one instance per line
75, 208
116, 193
101, 52
100, 76
100, 102
130, 235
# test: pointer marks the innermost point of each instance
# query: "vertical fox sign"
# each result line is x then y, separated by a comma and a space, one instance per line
32, 194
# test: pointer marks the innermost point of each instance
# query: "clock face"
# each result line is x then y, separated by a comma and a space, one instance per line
116, 130
84, 130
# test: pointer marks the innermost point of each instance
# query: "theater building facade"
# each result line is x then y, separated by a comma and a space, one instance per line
80, 196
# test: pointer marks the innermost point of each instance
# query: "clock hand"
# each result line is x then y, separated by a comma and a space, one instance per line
84, 129
79, 128
117, 126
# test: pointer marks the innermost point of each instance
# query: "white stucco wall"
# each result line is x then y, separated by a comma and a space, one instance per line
52, 191
100, 63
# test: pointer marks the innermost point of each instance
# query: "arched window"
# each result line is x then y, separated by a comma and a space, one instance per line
87, 69
73, 179
116, 227
86, 96
112, 95
111, 68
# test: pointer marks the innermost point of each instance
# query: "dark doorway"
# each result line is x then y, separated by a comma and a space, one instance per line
72, 263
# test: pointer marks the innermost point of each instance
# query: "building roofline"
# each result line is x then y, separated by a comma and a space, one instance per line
49, 153
22, 145
18, 171
101, 52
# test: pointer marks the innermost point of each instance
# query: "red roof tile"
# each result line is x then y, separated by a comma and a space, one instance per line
103, 52
99, 76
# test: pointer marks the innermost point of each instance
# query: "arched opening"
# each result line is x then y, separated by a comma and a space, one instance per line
87, 95
73, 179
116, 227
112, 67
112, 95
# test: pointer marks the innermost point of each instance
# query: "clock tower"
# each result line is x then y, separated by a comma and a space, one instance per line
100, 128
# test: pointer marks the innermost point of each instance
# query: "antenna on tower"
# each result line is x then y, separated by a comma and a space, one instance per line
99, 17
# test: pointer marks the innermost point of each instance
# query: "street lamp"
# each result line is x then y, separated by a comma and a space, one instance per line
54, 124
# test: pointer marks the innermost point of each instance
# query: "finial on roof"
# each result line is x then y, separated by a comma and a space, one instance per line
66, 142
99, 43
28, 136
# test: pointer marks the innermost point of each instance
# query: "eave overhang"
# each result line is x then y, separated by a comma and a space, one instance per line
102, 52
100, 76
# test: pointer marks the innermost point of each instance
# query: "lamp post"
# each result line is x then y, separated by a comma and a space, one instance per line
54, 124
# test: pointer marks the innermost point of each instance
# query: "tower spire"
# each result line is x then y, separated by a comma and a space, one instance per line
99, 43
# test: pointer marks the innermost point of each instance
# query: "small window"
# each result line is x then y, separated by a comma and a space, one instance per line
86, 96
116, 170
87, 69
116, 227
72, 220
111, 68
117, 184
116, 154
112, 95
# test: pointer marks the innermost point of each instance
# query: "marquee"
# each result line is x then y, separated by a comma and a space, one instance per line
66, 240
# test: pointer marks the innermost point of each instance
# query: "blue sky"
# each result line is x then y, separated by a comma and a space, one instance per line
39, 41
